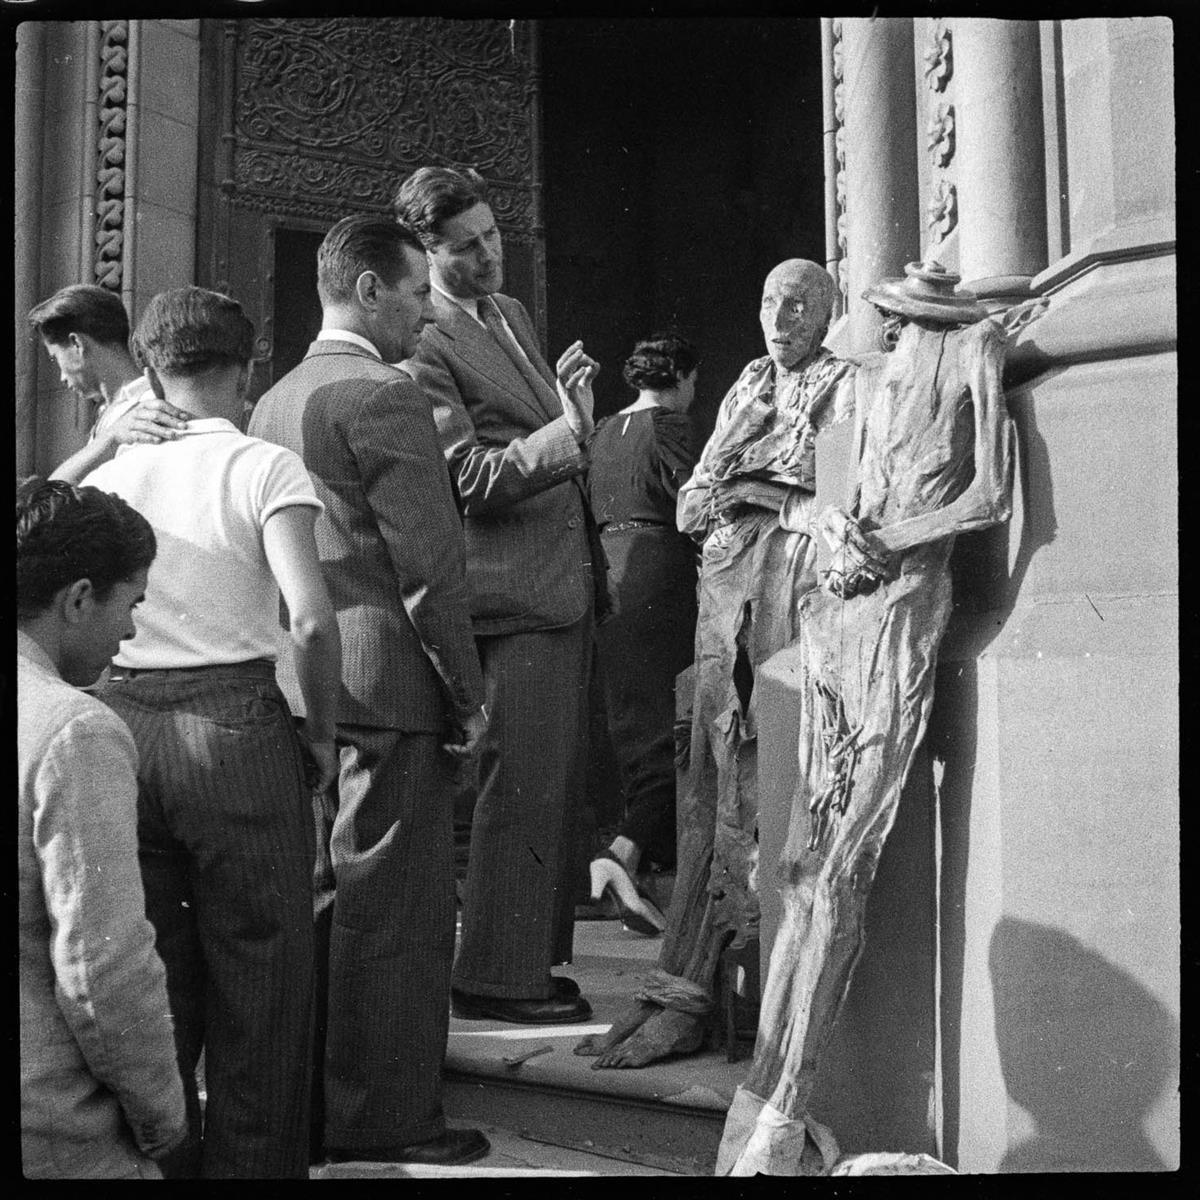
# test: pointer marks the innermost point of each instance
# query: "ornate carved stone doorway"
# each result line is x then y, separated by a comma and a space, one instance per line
306, 121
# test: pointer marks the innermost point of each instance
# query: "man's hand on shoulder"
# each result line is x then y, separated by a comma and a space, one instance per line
150, 420
575, 372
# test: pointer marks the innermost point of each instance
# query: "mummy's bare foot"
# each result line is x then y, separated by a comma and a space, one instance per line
623, 1026
664, 1033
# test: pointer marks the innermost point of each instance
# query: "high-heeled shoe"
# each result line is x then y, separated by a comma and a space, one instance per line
639, 914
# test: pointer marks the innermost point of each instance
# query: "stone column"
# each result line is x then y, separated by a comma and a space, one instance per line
28, 194
882, 206
1001, 159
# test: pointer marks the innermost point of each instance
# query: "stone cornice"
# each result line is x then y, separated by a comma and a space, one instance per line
1147, 239
1114, 301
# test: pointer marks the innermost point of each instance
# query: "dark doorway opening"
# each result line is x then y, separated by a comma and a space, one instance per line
682, 160
296, 305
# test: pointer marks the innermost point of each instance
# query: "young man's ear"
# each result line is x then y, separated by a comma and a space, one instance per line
366, 286
76, 600
78, 344
155, 383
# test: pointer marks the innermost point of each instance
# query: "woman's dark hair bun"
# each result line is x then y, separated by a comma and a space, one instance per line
659, 361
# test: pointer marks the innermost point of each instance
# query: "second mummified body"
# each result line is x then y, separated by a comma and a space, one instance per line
934, 454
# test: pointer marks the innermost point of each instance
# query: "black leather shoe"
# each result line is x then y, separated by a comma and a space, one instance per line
453, 1146
556, 1010
565, 988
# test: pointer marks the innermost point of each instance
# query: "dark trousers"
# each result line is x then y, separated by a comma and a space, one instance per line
519, 904
384, 918
225, 844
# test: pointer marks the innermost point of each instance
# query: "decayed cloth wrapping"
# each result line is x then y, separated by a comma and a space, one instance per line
673, 992
761, 448
749, 500
760, 1140
752, 572
892, 1163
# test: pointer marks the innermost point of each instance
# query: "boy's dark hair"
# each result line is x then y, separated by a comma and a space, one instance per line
82, 308
67, 533
190, 330
357, 244
432, 195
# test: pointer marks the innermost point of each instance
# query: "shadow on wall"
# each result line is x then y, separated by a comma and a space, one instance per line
1084, 1048
952, 746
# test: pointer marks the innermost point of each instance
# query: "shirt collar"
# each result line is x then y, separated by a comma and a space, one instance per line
470, 305
31, 649
132, 389
209, 425
135, 389
355, 339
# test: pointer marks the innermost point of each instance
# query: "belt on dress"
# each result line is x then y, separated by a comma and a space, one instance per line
621, 526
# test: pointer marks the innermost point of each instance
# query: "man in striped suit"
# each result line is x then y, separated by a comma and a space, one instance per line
513, 432
391, 548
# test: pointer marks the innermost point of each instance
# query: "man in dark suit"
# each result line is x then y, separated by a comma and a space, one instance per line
391, 547
513, 433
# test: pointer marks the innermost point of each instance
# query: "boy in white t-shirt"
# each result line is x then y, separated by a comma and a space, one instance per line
225, 828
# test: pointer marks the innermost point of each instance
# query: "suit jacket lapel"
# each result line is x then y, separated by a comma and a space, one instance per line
523, 333
474, 344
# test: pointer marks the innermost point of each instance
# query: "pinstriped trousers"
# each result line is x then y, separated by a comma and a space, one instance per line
519, 904
384, 915
225, 843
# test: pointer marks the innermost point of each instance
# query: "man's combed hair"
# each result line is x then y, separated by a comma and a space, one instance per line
432, 195
358, 244
67, 533
190, 330
82, 308
658, 361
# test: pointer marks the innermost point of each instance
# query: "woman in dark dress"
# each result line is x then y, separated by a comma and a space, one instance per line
639, 459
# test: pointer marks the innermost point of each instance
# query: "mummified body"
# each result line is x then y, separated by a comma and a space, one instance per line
933, 460
748, 503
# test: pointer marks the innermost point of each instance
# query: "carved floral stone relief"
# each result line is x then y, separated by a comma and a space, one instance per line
939, 57
942, 210
330, 114
940, 133
839, 141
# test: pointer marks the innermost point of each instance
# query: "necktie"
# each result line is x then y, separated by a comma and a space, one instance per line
490, 313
